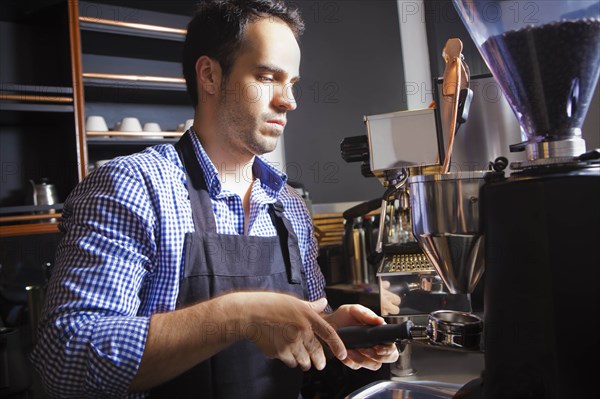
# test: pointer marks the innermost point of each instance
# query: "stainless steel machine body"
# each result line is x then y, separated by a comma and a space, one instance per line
410, 286
401, 140
445, 210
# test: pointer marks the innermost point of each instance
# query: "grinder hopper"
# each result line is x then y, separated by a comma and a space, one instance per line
545, 57
445, 211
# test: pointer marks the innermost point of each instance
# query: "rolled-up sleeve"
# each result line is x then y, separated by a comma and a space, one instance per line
92, 337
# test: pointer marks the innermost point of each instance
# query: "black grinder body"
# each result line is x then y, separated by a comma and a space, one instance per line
542, 232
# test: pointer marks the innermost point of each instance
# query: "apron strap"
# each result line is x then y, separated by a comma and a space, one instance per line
185, 150
288, 242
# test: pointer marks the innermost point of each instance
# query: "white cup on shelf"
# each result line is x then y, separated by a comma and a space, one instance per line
188, 124
180, 127
95, 123
130, 124
152, 127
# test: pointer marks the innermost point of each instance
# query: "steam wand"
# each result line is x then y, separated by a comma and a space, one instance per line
392, 189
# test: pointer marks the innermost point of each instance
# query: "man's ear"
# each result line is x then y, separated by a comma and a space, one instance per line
208, 73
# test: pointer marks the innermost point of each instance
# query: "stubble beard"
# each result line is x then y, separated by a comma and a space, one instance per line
242, 130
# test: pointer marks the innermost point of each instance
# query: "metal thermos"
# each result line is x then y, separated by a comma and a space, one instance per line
358, 242
356, 251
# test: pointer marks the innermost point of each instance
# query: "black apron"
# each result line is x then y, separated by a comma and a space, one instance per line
215, 264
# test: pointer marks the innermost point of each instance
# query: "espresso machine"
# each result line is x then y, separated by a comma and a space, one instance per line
528, 229
410, 287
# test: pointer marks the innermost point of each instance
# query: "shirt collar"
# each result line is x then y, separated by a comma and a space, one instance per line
271, 179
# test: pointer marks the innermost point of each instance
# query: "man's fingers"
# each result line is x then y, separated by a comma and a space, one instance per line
363, 361
368, 353
315, 350
288, 358
367, 316
328, 334
393, 299
351, 363
301, 355
307, 351
388, 352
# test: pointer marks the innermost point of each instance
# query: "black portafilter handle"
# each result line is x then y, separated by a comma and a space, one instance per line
362, 209
355, 337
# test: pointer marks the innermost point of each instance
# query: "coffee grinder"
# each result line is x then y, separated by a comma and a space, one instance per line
536, 233
540, 220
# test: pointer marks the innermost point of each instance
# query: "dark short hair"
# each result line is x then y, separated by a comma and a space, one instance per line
217, 28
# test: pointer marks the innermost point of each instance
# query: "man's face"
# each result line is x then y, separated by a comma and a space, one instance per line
252, 107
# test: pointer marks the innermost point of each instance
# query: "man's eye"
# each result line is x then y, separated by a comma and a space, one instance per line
266, 79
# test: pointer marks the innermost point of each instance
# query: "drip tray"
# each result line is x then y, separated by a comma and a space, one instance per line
439, 374
404, 390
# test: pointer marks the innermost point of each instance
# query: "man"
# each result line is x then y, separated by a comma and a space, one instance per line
173, 278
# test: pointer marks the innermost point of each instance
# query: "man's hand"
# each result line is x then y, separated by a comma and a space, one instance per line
287, 328
390, 302
370, 358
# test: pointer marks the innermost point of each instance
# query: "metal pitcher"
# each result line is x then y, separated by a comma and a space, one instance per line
44, 193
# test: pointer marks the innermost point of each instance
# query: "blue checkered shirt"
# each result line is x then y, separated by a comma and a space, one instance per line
120, 261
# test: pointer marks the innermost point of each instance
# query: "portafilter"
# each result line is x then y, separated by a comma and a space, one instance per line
445, 328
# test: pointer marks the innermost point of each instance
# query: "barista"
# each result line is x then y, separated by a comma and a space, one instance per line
176, 278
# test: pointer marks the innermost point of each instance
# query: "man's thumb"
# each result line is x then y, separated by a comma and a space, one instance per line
319, 305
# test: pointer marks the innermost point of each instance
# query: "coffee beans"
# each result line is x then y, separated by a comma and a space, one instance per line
548, 74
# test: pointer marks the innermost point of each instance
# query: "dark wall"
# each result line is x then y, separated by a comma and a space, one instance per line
443, 23
351, 66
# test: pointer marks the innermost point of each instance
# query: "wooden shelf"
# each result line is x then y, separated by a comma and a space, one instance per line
37, 113
35, 98
28, 229
30, 98
131, 29
27, 107
12, 210
132, 138
121, 134
29, 218
133, 81
45, 90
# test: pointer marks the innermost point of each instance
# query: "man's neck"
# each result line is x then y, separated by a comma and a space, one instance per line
238, 178
235, 170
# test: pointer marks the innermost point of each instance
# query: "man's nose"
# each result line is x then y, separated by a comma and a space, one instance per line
284, 98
